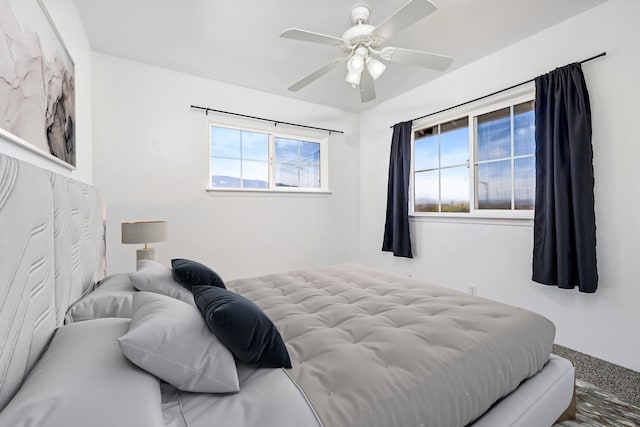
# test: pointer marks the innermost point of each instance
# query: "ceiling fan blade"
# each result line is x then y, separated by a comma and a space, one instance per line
416, 57
309, 36
315, 75
367, 88
408, 14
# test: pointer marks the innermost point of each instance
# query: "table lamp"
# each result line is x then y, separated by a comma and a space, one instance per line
144, 232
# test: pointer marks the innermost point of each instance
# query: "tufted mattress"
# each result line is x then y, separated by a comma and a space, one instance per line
370, 348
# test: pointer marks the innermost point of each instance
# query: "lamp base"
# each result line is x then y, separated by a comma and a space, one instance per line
148, 253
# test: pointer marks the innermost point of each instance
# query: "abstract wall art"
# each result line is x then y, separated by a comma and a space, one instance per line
37, 85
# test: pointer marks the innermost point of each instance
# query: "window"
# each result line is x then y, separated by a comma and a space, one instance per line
481, 163
441, 167
505, 158
263, 161
297, 163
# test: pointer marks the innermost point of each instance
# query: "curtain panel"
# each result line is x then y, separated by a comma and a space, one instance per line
396, 227
564, 252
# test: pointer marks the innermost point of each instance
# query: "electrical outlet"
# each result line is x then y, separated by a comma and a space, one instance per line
410, 274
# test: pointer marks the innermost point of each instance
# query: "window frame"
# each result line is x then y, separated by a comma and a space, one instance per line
472, 111
271, 134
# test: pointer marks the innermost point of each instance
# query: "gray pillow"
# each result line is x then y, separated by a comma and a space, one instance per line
111, 298
170, 339
158, 278
84, 380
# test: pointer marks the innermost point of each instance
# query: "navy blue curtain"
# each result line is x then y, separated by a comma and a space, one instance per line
564, 252
396, 227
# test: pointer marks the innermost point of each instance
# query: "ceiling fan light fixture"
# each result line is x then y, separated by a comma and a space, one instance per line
362, 41
353, 77
355, 64
375, 67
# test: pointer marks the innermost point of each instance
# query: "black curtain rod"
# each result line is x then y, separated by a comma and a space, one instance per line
275, 122
497, 92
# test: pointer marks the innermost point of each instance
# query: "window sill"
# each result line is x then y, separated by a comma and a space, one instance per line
255, 192
522, 220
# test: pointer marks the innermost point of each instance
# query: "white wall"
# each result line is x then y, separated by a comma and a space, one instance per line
65, 15
497, 258
151, 161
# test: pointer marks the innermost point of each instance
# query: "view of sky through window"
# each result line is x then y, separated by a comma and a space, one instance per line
503, 160
240, 159
505, 166
297, 163
441, 181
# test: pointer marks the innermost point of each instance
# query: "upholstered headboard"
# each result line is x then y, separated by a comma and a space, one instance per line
52, 249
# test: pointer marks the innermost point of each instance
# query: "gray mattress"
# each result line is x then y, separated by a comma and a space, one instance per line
370, 348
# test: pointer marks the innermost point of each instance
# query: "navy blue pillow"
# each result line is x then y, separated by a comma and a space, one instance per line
242, 326
190, 273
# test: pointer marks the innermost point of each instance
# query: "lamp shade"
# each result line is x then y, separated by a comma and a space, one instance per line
375, 67
144, 231
353, 77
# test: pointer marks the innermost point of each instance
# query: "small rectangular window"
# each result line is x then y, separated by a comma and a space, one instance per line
255, 160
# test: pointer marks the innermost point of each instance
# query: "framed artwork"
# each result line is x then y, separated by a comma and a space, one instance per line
37, 82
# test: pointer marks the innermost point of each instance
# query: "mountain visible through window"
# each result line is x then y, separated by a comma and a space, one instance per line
246, 159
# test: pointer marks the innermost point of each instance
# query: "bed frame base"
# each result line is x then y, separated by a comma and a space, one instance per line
570, 413
538, 401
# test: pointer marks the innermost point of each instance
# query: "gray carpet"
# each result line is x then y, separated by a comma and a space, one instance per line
615, 379
606, 394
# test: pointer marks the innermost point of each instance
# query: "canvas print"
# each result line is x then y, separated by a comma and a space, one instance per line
37, 86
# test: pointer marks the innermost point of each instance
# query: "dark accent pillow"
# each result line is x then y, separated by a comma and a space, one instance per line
242, 326
190, 273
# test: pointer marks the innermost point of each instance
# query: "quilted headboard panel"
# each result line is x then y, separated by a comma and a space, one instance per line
52, 252
79, 221
27, 310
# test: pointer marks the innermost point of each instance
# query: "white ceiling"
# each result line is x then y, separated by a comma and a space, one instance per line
238, 41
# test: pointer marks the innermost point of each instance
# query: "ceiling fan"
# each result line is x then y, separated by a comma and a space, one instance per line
361, 44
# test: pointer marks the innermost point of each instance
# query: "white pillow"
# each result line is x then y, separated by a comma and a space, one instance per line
84, 380
111, 298
171, 340
155, 277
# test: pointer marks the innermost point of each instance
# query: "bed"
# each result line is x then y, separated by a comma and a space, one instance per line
366, 347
